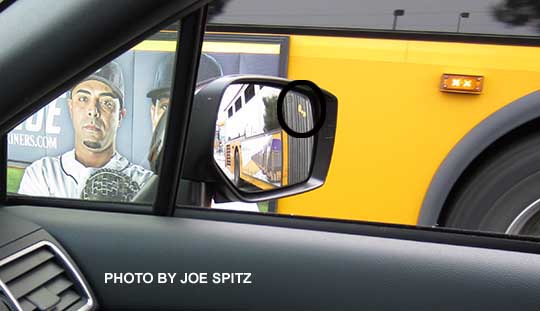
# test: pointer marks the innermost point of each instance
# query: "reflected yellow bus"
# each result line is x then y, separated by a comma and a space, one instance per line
251, 146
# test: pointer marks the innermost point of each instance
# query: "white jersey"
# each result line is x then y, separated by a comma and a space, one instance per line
65, 177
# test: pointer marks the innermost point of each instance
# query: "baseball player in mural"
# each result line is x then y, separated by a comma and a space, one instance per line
93, 170
209, 69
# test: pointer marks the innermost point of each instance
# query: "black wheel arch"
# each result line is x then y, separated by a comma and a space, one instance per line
521, 115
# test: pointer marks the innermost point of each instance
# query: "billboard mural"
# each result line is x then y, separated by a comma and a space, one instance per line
49, 132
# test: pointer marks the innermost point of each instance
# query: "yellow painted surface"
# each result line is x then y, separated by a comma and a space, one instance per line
211, 47
394, 125
156, 45
234, 47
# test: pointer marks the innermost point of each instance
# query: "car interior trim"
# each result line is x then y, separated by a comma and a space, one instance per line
9, 295
526, 244
130, 208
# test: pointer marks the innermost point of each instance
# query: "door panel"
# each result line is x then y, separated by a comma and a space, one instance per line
291, 268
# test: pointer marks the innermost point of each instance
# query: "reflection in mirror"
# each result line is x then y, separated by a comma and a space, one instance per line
250, 146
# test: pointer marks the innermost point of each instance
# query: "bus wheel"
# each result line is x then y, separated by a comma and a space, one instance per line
501, 194
236, 168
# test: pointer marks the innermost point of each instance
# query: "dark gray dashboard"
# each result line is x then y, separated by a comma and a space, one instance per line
13, 228
291, 268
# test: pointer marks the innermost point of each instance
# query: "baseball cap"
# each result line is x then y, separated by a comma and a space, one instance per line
110, 74
209, 69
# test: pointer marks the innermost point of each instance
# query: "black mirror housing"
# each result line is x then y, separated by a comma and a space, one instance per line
200, 165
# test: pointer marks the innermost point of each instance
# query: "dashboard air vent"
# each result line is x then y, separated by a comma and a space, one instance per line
41, 278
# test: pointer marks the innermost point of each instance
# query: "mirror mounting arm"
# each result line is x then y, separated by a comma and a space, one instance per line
193, 194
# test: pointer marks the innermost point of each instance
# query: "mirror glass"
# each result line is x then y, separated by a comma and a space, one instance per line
251, 148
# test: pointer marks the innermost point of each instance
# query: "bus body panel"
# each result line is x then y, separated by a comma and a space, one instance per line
395, 126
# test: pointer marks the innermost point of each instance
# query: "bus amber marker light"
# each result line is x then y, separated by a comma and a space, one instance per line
462, 83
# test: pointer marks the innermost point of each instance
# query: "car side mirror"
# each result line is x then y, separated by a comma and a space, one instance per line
256, 138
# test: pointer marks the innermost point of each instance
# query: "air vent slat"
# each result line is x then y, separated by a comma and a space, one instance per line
76, 306
27, 305
28, 282
58, 285
67, 298
18, 267
43, 298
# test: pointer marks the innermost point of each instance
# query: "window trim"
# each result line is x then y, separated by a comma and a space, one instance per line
449, 236
188, 51
16, 199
